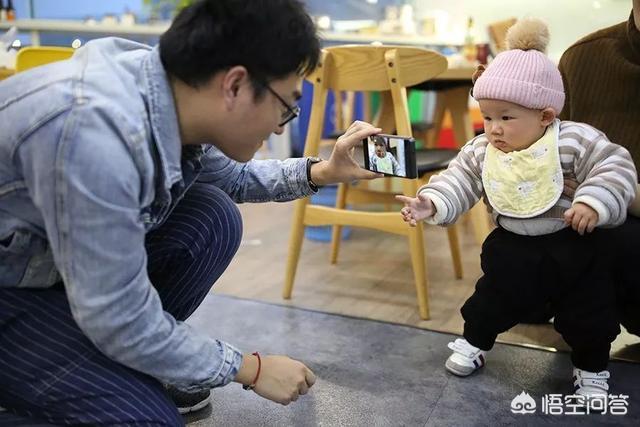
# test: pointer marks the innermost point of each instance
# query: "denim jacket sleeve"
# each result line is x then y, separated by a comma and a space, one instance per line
256, 180
91, 200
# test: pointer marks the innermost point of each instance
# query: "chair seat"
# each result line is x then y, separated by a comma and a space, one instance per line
433, 159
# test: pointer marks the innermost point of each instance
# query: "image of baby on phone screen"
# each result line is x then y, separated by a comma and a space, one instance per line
381, 160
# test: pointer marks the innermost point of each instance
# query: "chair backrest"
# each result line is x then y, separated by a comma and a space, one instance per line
370, 68
34, 56
365, 67
498, 33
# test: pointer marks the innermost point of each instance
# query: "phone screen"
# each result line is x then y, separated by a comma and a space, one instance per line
391, 155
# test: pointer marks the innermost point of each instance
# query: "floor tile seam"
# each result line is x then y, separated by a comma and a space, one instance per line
437, 401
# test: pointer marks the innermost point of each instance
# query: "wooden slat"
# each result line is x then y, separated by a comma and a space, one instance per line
363, 196
390, 222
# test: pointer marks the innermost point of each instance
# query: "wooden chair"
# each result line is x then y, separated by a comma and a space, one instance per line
498, 33
371, 68
29, 57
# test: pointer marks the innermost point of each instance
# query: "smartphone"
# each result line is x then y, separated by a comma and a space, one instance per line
392, 155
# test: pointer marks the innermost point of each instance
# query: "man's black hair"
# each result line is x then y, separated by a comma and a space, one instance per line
271, 38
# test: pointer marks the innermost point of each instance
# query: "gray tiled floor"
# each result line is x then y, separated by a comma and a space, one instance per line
378, 374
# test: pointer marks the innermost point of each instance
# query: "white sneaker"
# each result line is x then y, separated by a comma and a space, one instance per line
465, 358
592, 385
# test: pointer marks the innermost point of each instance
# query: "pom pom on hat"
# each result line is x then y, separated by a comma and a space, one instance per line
523, 75
528, 34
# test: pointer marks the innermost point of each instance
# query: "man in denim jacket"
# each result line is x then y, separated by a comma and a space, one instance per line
116, 215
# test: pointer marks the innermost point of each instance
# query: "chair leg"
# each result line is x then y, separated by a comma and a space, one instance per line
295, 245
336, 235
454, 246
416, 247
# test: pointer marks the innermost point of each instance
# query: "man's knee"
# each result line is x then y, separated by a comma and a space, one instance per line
205, 223
215, 217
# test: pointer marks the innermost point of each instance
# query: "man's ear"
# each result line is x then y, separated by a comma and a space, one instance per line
548, 115
232, 81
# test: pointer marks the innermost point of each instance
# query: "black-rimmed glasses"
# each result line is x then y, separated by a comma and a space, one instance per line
290, 113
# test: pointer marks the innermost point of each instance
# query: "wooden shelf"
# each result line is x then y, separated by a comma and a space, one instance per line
79, 27
36, 26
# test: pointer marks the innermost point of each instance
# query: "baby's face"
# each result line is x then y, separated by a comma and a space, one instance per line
511, 127
381, 151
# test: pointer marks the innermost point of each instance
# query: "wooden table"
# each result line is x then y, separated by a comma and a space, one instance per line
455, 99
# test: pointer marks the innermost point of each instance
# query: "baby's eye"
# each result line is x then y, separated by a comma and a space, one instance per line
487, 119
505, 118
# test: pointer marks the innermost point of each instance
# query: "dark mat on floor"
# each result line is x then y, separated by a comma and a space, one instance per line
378, 374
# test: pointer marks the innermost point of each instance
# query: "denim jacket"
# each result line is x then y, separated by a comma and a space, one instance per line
90, 161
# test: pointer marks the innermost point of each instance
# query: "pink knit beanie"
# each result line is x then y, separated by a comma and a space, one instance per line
523, 74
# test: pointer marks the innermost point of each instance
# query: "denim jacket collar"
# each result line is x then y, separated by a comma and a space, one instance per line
163, 119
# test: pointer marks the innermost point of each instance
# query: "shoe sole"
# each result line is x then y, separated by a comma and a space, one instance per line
457, 370
198, 406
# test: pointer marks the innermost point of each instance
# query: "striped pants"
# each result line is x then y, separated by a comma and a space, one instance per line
49, 371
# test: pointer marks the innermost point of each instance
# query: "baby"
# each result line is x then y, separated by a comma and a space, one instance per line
545, 247
382, 160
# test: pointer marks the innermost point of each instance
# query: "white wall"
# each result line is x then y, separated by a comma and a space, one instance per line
568, 20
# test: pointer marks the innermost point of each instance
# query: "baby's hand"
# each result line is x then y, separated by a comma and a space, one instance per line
416, 208
581, 218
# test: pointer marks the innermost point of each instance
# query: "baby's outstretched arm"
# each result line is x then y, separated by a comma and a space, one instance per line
416, 208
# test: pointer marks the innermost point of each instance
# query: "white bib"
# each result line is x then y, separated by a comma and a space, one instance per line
384, 165
525, 183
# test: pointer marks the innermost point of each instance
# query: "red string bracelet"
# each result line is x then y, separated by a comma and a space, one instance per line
255, 380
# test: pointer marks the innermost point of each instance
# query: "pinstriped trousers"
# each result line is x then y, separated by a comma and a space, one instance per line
50, 371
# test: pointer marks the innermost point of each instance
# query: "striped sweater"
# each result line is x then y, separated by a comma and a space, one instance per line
604, 171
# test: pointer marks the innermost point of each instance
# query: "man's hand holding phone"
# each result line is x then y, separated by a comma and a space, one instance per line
341, 166
416, 208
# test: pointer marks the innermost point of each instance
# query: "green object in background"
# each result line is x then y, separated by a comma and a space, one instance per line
375, 103
417, 112
416, 108
415, 101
